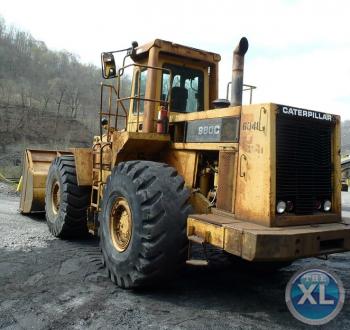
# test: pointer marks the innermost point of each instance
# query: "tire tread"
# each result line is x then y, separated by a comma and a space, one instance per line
72, 218
163, 251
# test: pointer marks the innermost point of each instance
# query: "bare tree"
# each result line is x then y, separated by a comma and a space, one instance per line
26, 93
45, 98
46, 94
59, 88
74, 102
8, 90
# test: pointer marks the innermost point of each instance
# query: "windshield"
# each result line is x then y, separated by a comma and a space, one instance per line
187, 88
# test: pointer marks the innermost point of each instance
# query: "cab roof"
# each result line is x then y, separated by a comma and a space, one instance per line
172, 48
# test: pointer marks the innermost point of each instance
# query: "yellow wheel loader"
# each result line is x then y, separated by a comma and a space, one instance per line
175, 166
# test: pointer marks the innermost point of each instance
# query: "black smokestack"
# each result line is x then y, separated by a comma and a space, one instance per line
237, 72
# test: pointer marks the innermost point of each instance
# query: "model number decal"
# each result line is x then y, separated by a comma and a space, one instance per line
251, 126
211, 130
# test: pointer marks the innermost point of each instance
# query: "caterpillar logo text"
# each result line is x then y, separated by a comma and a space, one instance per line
306, 113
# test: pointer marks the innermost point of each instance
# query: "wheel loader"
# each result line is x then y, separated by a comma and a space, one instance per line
174, 166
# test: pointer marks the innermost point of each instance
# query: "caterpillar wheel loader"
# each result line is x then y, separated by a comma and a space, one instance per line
174, 165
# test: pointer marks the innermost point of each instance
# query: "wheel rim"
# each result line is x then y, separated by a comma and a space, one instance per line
56, 197
120, 224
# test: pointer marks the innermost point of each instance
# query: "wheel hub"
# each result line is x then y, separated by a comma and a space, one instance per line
120, 224
56, 197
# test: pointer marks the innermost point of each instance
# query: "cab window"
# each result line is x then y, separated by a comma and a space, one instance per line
140, 90
187, 88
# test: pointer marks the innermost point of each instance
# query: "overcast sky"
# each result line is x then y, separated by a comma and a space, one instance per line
299, 50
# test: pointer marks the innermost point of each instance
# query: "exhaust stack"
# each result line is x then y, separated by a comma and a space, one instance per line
237, 72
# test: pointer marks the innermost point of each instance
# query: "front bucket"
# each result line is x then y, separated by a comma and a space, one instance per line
36, 164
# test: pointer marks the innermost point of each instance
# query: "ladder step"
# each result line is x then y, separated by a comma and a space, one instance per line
196, 239
197, 262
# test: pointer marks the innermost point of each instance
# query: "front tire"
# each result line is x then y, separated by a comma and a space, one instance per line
143, 223
65, 202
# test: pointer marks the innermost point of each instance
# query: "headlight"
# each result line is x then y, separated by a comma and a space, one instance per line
281, 207
327, 205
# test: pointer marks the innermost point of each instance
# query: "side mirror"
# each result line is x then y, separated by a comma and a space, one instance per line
109, 69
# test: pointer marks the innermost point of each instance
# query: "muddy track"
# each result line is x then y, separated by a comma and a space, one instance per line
47, 283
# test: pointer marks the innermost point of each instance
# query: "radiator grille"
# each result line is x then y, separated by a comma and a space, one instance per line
303, 162
225, 185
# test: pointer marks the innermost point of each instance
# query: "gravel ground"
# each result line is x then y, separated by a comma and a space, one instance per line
47, 283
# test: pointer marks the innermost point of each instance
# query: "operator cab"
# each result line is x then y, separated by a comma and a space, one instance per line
181, 78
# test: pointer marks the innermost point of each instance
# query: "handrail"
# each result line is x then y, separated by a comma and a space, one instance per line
121, 111
249, 88
120, 106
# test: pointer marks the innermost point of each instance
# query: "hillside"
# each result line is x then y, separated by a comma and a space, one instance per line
48, 99
20, 129
32, 76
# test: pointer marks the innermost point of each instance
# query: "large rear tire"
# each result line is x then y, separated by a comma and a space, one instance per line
143, 223
65, 202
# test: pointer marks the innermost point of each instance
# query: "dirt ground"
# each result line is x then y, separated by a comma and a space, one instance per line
47, 283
